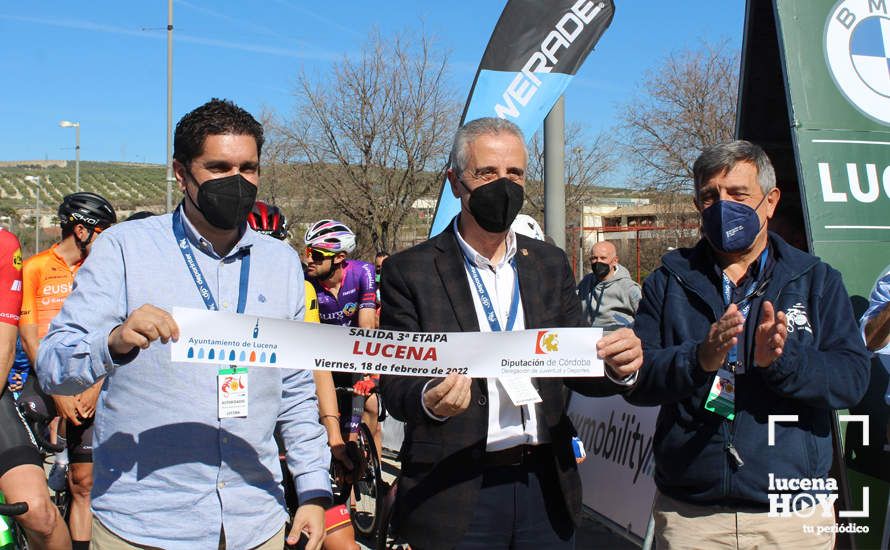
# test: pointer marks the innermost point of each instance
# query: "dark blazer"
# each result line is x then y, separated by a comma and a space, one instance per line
425, 289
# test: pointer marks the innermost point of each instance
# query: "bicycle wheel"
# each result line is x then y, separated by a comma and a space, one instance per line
387, 538
19, 537
366, 489
62, 501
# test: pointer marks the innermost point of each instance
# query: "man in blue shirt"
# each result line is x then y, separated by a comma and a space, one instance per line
173, 467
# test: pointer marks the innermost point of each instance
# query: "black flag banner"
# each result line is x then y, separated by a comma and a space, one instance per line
533, 54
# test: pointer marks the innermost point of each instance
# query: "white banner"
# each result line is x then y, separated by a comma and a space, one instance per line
217, 337
617, 475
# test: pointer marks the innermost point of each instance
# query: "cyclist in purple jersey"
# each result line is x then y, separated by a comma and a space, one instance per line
346, 288
358, 291
347, 296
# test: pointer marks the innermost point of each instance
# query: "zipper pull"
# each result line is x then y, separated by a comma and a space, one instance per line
735, 455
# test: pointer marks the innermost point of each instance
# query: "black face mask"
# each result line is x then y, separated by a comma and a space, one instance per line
600, 270
225, 202
496, 204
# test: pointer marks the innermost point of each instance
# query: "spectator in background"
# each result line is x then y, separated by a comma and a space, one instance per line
609, 297
378, 265
378, 262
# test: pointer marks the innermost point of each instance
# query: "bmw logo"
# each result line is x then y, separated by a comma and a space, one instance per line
857, 51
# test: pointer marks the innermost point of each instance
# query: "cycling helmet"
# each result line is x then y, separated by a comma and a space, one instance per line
89, 209
268, 220
526, 225
330, 235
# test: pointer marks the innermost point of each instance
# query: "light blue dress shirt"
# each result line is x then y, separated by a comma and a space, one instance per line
167, 471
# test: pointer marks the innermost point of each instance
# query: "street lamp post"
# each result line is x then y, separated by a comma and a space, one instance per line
36, 179
170, 178
76, 126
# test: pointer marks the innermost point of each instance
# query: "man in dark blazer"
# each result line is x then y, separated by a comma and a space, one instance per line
478, 471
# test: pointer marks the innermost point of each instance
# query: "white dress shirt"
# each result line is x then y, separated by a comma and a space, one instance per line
508, 425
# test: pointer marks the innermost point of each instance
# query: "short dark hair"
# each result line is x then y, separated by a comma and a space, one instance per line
215, 118
721, 158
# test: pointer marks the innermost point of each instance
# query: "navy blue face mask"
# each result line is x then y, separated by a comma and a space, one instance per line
731, 226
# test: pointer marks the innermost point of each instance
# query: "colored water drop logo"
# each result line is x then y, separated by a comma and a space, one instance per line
253, 357
232, 355
263, 357
256, 329
272, 358
212, 354
201, 353
191, 353
242, 356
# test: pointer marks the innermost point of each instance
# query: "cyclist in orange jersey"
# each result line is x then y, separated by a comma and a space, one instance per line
47, 280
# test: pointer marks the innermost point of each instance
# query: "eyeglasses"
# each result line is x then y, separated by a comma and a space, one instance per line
318, 255
487, 176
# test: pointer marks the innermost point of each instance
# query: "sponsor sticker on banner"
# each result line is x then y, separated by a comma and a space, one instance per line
214, 337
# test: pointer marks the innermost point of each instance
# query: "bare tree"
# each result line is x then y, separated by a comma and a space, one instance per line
374, 134
686, 103
588, 164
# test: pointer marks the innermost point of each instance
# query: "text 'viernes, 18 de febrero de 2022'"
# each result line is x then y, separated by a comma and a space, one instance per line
222, 338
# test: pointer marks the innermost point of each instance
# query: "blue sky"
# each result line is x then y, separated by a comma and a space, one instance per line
103, 63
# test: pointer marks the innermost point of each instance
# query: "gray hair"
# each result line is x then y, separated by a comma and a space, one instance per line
467, 133
721, 158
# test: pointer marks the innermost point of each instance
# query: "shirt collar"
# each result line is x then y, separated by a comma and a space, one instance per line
248, 238
754, 270
478, 259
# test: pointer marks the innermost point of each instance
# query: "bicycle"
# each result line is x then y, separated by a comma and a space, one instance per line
367, 477
387, 537
12, 536
37, 425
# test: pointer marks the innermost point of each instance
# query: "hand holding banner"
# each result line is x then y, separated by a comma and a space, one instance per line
215, 337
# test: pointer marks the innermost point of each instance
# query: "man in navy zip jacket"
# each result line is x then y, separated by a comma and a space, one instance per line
739, 328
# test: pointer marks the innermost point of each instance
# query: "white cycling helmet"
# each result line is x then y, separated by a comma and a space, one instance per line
526, 225
330, 235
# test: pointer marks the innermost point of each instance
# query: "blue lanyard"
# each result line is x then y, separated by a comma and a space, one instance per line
195, 270
487, 306
744, 305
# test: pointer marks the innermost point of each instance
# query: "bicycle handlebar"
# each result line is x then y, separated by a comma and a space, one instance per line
349, 390
33, 421
13, 509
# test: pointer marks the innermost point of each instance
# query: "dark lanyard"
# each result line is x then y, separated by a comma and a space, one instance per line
599, 301
487, 306
755, 288
191, 263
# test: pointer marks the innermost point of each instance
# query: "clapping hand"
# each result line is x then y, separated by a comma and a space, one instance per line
769, 340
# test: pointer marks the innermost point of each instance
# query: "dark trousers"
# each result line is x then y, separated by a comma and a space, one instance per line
520, 507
